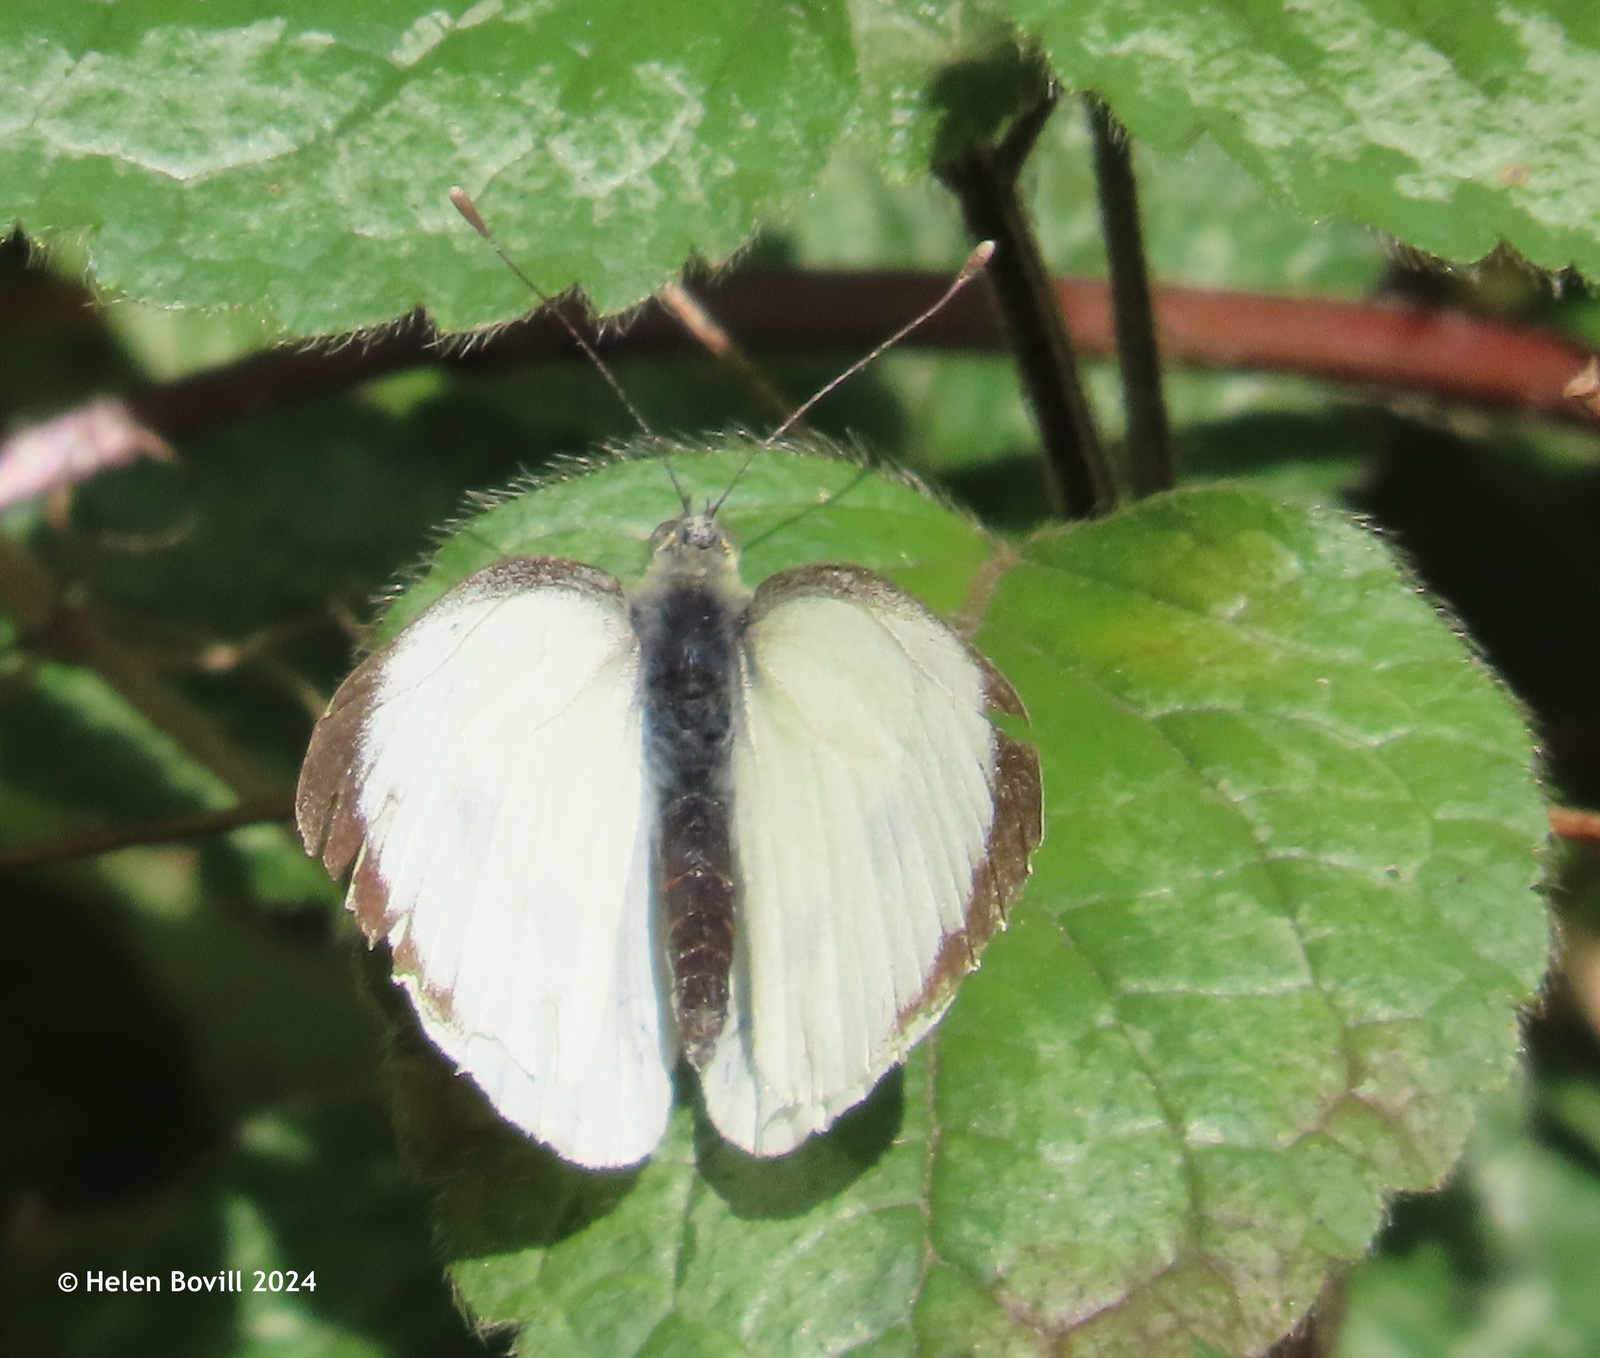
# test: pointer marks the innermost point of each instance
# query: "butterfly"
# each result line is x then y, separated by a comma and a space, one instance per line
764, 831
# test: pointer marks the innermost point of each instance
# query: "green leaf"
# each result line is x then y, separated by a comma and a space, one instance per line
1269, 960
295, 158
294, 162
1452, 129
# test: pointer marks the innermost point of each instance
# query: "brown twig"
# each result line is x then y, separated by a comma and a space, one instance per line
984, 181
1138, 355
1446, 355
172, 830
1569, 823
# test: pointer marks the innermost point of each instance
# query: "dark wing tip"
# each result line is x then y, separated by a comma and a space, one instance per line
325, 799
1018, 825
998, 692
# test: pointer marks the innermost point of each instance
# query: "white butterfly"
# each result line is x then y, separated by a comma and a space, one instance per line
767, 831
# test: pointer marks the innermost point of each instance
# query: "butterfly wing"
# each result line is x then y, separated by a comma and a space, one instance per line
485, 773
881, 825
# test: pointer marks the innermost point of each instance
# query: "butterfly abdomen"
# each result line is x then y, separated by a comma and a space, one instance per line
688, 638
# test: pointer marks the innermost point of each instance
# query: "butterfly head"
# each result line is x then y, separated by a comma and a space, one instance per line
693, 547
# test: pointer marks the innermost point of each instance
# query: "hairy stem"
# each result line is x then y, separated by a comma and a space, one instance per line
984, 181
1149, 444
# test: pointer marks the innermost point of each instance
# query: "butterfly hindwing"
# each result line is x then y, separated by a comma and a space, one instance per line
881, 825
486, 774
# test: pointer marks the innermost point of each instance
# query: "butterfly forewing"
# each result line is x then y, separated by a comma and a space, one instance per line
881, 825
488, 767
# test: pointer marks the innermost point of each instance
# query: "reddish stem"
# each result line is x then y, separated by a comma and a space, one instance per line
1567, 823
1447, 355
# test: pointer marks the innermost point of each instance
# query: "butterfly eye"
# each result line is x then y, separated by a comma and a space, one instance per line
702, 533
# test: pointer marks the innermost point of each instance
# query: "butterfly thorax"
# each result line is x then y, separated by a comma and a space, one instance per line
688, 615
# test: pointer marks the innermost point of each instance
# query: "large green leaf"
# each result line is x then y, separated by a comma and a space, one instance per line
294, 157
1269, 960
1451, 126
293, 160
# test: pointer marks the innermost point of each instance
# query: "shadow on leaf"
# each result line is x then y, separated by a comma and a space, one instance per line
820, 1168
505, 1191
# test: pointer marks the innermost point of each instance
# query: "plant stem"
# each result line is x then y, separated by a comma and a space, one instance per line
1445, 355
1574, 824
1149, 444
984, 181
174, 829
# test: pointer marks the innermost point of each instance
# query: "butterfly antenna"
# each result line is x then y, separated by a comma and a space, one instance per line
713, 510
970, 270
468, 209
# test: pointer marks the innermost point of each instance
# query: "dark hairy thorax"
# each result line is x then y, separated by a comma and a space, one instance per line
689, 640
